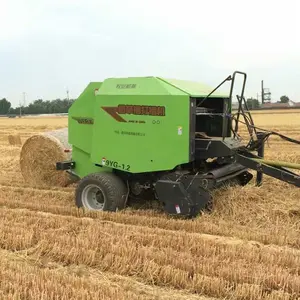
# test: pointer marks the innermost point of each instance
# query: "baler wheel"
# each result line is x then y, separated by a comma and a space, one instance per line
102, 192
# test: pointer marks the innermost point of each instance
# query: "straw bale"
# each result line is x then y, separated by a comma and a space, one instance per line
14, 139
39, 155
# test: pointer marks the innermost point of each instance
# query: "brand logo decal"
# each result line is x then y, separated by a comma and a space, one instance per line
84, 120
138, 110
126, 86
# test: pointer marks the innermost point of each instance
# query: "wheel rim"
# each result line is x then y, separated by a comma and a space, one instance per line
93, 197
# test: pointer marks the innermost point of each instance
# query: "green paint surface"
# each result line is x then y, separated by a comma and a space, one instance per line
137, 141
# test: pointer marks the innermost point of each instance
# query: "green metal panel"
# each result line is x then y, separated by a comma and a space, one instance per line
137, 124
80, 127
80, 118
138, 141
153, 143
156, 86
194, 89
83, 164
138, 86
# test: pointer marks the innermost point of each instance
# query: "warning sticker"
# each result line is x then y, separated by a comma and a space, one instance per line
177, 208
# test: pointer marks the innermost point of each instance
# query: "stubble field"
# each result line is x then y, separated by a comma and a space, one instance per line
248, 248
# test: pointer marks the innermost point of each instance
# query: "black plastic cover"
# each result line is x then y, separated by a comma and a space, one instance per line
178, 200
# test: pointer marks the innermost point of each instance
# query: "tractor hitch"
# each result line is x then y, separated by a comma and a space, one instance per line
270, 168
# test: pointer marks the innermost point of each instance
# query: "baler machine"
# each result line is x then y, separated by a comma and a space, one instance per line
167, 139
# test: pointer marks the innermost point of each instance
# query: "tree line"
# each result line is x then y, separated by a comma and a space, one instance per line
62, 106
37, 107
253, 103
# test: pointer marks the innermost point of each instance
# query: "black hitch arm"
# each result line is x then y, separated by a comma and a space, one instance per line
260, 153
254, 162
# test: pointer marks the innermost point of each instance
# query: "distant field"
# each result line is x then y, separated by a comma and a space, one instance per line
275, 111
248, 248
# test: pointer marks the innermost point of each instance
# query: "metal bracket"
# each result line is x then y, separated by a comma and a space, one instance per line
65, 165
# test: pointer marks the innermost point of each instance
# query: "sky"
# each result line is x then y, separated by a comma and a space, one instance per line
49, 46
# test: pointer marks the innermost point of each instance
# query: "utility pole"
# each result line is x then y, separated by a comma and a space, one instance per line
262, 92
24, 99
20, 104
265, 93
68, 94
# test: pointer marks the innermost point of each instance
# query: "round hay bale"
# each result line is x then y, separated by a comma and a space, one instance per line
39, 155
14, 139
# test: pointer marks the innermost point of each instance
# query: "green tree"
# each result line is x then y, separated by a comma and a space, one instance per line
4, 106
284, 99
40, 106
253, 103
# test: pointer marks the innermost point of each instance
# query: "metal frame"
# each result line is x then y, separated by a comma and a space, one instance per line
209, 148
65, 165
225, 120
225, 107
276, 172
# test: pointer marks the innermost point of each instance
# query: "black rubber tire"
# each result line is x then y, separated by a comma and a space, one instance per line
114, 190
